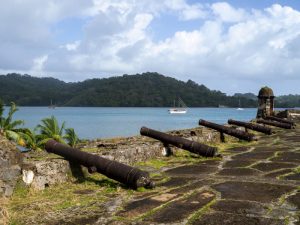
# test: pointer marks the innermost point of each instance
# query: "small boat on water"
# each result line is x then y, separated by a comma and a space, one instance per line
239, 108
180, 109
51, 106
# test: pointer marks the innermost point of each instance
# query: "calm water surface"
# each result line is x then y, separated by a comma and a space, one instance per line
104, 122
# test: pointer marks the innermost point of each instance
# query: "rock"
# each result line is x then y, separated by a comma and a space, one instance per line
10, 166
41, 174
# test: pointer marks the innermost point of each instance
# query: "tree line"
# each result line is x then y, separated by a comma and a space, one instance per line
140, 90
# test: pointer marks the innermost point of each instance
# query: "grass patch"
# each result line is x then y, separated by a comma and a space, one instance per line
296, 170
93, 190
154, 163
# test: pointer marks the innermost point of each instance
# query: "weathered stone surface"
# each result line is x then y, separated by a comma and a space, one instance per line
179, 210
191, 187
253, 156
238, 149
241, 207
266, 167
133, 152
295, 199
270, 149
293, 176
238, 163
278, 173
4, 219
234, 219
46, 173
10, 166
287, 157
251, 191
139, 207
239, 172
175, 182
192, 171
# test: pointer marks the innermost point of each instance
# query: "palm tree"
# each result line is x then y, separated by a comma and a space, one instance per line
71, 137
8, 126
50, 129
30, 139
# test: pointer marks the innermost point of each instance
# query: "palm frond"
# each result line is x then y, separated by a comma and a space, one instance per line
14, 124
71, 137
12, 135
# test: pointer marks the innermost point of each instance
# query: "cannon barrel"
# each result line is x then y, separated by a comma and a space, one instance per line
228, 130
252, 126
280, 120
275, 123
192, 146
125, 174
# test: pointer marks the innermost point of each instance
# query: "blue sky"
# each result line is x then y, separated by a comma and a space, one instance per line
232, 46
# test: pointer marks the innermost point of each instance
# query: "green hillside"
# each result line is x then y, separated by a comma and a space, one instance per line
140, 90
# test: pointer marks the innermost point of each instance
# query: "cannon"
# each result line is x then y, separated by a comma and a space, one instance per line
228, 130
125, 174
252, 126
192, 146
275, 123
280, 120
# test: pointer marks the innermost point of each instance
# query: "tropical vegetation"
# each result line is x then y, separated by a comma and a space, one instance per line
147, 89
49, 128
71, 137
9, 127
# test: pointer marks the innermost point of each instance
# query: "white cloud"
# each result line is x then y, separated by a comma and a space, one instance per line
186, 11
71, 46
229, 43
227, 13
38, 63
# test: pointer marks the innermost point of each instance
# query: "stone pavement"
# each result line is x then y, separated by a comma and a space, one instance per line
258, 183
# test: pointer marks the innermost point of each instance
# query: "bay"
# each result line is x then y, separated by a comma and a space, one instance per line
107, 122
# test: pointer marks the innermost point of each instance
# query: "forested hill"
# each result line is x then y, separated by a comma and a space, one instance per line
147, 89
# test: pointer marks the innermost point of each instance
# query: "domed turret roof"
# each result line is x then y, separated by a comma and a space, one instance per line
265, 92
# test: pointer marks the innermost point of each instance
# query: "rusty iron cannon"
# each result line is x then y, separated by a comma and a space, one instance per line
192, 146
228, 130
125, 174
252, 126
275, 123
281, 120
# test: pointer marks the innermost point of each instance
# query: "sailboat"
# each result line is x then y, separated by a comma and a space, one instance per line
239, 108
51, 106
181, 109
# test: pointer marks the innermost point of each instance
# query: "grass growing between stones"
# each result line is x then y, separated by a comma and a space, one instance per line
154, 163
27, 203
200, 212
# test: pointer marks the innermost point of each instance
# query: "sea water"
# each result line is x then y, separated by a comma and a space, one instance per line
106, 122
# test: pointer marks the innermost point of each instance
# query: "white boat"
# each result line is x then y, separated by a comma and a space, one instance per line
239, 108
181, 109
51, 106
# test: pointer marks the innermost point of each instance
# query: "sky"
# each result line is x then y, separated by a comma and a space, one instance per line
233, 46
